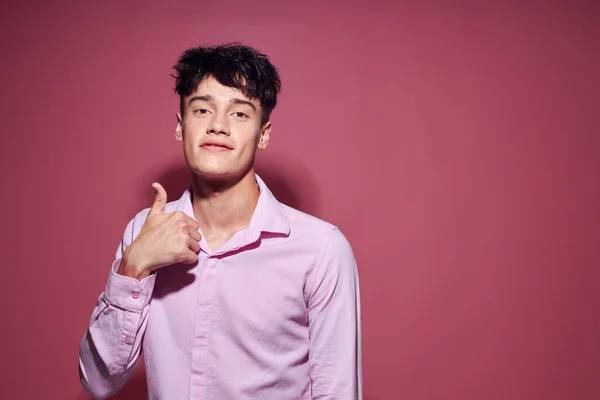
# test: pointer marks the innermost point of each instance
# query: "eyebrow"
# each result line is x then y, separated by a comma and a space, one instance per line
208, 97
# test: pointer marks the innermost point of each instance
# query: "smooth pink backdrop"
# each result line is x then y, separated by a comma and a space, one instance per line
455, 143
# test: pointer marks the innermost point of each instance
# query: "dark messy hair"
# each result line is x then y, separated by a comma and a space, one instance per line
234, 65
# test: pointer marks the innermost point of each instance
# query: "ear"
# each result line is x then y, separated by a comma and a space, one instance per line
265, 133
179, 128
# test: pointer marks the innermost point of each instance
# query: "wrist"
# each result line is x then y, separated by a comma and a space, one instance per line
131, 268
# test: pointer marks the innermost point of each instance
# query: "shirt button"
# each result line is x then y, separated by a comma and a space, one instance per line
135, 295
128, 340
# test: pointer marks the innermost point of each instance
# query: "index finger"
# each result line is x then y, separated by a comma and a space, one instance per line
192, 222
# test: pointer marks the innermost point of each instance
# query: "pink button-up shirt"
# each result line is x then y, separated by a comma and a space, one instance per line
272, 314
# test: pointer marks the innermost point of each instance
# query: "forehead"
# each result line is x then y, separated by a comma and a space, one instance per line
210, 86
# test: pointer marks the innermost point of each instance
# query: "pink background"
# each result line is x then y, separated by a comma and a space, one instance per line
457, 146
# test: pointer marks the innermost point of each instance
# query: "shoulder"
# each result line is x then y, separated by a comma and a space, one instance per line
327, 239
302, 221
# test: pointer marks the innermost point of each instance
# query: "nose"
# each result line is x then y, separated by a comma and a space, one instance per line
218, 125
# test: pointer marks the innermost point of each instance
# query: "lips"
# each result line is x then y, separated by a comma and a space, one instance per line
215, 146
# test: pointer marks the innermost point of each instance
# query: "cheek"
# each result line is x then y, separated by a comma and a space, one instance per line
190, 134
251, 144
190, 146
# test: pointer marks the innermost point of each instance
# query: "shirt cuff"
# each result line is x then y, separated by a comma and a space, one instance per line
126, 292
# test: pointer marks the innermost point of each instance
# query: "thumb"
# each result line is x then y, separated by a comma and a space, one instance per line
160, 199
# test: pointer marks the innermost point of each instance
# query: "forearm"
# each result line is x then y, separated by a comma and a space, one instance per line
336, 357
110, 349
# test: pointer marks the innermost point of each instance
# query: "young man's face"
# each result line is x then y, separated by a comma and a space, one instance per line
221, 130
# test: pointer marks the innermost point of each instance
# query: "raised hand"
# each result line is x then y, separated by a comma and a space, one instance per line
164, 239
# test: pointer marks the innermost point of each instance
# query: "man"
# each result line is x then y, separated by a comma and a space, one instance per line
229, 293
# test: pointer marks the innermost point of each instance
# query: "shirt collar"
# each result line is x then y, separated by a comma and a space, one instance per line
268, 216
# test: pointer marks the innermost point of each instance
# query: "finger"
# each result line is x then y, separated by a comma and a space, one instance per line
160, 199
192, 223
193, 245
190, 258
195, 235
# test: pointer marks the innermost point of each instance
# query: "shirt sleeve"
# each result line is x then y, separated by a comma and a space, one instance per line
110, 349
334, 319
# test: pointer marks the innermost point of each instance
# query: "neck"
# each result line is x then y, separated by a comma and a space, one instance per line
224, 207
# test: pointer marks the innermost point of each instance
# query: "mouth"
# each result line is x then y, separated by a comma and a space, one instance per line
215, 147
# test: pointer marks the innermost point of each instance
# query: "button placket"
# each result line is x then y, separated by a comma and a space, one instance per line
199, 386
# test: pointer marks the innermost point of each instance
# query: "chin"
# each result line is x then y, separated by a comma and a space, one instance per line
217, 174
207, 168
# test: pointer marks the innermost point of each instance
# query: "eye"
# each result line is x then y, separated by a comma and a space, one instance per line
240, 114
201, 111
